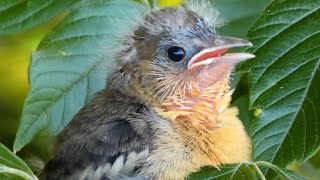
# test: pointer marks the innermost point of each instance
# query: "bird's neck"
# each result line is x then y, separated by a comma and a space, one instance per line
127, 85
199, 108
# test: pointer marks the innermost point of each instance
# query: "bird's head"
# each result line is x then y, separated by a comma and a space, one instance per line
177, 58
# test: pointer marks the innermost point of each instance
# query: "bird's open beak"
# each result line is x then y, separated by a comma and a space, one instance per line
219, 46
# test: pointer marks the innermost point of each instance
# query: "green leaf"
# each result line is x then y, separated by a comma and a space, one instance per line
284, 82
245, 171
12, 164
14, 174
280, 173
238, 15
237, 28
232, 10
242, 104
70, 66
19, 15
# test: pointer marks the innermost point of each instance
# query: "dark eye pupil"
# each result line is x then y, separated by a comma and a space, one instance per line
176, 53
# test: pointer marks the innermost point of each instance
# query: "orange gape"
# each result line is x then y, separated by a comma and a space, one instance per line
201, 100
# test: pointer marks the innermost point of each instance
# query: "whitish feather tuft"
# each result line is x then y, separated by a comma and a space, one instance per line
206, 10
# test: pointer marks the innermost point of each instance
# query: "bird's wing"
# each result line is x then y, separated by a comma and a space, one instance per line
112, 149
123, 145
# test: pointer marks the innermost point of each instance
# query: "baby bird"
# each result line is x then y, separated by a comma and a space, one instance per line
165, 110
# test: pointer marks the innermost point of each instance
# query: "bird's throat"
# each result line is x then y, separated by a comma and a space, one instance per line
202, 104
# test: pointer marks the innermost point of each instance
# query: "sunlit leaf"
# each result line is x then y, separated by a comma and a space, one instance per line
169, 3
68, 67
284, 82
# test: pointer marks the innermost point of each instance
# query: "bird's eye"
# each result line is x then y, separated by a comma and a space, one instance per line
176, 53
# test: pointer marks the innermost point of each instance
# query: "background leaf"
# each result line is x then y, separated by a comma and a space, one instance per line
284, 82
245, 171
20, 15
239, 15
12, 164
68, 67
232, 10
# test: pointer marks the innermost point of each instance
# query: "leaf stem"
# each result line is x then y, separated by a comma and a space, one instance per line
259, 171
